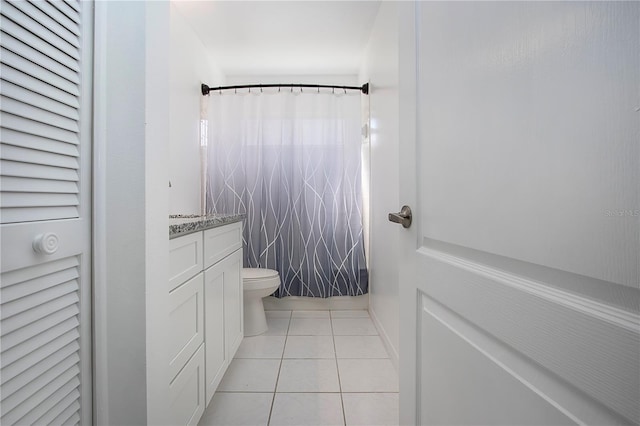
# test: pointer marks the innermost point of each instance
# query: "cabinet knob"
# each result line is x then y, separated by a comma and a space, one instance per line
46, 243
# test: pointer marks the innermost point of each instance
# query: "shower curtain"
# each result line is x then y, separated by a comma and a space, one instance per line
291, 161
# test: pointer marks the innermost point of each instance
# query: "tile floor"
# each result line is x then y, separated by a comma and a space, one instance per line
310, 368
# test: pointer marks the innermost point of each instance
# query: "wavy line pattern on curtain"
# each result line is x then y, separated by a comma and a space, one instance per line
292, 163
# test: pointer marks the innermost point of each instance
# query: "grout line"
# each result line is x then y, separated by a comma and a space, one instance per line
335, 353
273, 400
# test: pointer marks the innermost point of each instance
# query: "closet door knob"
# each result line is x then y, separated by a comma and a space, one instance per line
46, 243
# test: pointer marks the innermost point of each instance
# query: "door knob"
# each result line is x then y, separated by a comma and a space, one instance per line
46, 243
403, 217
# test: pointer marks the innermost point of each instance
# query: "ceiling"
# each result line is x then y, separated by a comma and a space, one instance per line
282, 37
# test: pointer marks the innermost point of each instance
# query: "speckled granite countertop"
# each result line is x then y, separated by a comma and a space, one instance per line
180, 225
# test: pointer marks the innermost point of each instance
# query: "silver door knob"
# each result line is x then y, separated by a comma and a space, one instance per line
46, 243
403, 217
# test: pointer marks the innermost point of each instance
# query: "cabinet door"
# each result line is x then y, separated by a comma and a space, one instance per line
223, 317
233, 303
216, 360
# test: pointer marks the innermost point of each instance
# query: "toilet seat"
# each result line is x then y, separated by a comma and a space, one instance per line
258, 273
260, 279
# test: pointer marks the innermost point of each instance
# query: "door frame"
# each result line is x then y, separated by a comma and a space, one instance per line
130, 221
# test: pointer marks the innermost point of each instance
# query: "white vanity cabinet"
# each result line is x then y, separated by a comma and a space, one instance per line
206, 316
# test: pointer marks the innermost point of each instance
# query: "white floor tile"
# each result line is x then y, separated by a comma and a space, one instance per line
310, 327
360, 347
251, 375
261, 347
308, 375
307, 379
310, 314
353, 327
371, 409
278, 314
367, 375
350, 314
309, 347
307, 409
237, 409
277, 326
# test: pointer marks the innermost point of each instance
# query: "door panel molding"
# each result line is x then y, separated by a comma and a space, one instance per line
601, 311
560, 395
592, 346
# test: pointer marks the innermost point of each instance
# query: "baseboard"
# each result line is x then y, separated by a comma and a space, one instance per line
291, 303
393, 353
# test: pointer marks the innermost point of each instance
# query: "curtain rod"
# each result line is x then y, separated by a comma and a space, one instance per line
206, 89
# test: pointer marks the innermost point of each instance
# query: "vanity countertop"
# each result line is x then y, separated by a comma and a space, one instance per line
180, 225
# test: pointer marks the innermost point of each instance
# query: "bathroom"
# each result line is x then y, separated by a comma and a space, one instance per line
499, 206
303, 340
244, 45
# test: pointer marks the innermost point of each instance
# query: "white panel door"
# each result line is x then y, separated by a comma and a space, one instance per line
45, 212
520, 156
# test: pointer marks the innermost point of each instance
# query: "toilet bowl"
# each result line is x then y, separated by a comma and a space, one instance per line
257, 283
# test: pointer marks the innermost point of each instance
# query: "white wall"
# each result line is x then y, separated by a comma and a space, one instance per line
191, 65
337, 79
380, 68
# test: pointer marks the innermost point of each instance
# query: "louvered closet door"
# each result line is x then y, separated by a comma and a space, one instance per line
45, 202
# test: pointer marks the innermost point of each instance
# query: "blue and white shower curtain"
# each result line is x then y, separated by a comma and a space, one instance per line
291, 161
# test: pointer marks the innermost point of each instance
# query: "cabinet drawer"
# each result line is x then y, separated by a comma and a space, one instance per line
186, 322
221, 242
186, 392
185, 258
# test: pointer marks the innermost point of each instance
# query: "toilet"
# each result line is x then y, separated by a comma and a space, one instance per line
257, 283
